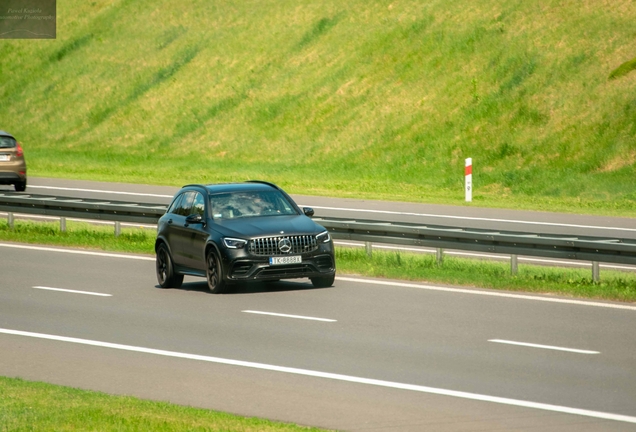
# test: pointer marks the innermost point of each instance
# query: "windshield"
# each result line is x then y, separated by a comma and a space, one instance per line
233, 205
6, 142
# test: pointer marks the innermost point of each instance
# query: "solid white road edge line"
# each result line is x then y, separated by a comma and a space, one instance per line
72, 291
487, 293
430, 215
333, 376
289, 316
101, 191
548, 347
362, 210
367, 281
77, 252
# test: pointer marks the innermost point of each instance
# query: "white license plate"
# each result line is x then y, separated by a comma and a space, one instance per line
294, 259
4, 158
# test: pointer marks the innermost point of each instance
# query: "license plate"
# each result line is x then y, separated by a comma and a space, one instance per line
294, 259
4, 158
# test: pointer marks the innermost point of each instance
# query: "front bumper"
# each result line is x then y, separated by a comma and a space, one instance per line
250, 269
243, 266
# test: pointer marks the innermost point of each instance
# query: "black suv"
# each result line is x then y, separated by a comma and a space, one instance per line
237, 232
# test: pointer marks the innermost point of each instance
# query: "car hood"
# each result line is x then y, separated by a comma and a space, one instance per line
251, 227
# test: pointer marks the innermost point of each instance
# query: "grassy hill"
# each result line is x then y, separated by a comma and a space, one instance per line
365, 98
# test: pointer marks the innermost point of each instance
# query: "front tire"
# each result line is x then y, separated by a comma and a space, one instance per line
323, 281
166, 275
214, 273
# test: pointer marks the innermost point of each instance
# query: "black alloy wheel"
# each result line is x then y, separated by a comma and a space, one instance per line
214, 273
165, 270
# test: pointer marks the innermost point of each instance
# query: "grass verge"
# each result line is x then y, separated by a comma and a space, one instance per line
614, 285
368, 99
36, 406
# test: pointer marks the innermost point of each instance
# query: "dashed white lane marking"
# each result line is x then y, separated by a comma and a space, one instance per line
72, 291
289, 316
367, 281
333, 376
548, 347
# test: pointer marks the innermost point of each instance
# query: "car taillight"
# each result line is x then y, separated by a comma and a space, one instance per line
20, 152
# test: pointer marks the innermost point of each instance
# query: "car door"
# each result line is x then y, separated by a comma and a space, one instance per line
195, 235
166, 225
178, 229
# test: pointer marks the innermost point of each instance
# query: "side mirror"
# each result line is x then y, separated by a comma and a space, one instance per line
308, 211
194, 219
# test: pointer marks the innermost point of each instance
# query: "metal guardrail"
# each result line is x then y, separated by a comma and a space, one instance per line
81, 208
612, 250
120, 211
594, 249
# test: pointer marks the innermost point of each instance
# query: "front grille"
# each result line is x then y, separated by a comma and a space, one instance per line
268, 246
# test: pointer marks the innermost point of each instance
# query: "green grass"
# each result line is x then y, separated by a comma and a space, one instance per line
80, 234
375, 99
614, 285
573, 282
623, 69
372, 99
34, 406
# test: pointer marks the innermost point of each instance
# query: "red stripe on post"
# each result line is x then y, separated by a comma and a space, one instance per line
468, 170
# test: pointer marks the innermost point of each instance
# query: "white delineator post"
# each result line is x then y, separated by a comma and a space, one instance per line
468, 172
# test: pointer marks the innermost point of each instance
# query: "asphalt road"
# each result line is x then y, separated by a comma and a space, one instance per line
365, 355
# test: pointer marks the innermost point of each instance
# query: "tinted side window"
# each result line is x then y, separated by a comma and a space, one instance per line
185, 207
175, 204
199, 205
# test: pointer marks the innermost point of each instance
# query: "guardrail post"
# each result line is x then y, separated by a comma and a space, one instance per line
10, 220
596, 271
117, 228
63, 224
369, 248
440, 256
513, 265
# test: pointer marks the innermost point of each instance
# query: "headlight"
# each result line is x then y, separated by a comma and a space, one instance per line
323, 237
234, 243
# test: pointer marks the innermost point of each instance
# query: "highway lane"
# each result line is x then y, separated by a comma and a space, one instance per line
469, 216
438, 340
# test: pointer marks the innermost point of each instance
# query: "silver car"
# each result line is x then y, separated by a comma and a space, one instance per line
12, 164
